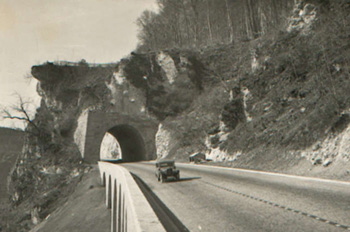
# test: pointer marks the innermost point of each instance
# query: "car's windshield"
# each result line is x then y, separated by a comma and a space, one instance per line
170, 164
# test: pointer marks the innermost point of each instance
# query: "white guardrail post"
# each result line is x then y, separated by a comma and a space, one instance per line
130, 210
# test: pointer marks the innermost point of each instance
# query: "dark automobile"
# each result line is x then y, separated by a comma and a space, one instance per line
166, 169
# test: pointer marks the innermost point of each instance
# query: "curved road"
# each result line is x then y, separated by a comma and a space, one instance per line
222, 199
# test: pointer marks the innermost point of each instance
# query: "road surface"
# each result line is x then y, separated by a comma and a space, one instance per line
223, 199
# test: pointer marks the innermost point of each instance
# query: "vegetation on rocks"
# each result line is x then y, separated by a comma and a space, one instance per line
284, 84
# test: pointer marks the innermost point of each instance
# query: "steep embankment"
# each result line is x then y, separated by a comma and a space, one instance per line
11, 142
289, 101
85, 209
50, 166
277, 103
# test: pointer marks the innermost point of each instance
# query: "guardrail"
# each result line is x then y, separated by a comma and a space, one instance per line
130, 210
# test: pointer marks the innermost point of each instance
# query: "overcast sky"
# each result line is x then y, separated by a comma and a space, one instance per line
35, 31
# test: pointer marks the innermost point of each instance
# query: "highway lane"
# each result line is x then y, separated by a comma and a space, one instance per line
223, 199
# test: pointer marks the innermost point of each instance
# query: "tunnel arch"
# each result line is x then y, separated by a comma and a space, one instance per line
131, 143
135, 134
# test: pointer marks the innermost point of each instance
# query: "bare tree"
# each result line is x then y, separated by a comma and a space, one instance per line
147, 34
209, 24
229, 21
21, 112
196, 23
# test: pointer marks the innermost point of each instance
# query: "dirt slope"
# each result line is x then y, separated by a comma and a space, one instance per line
85, 209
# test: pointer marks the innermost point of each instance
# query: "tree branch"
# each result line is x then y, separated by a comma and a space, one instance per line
21, 110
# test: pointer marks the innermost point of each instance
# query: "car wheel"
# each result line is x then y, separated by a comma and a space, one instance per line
162, 179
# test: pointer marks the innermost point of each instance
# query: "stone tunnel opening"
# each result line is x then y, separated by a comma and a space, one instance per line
129, 142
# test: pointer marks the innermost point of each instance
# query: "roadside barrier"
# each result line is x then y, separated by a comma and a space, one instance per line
130, 210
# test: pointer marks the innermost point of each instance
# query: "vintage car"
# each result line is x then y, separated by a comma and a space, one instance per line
197, 157
166, 169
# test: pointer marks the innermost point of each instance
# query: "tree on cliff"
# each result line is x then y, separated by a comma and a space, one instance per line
21, 112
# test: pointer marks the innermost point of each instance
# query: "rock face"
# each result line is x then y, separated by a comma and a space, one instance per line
164, 142
335, 147
159, 85
110, 148
303, 18
168, 66
80, 132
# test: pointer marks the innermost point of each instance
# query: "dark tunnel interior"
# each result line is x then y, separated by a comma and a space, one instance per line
131, 143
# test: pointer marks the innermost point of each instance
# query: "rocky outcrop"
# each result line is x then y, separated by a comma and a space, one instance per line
80, 132
168, 66
110, 148
303, 18
336, 147
159, 84
164, 142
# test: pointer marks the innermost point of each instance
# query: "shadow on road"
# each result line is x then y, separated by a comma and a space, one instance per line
113, 161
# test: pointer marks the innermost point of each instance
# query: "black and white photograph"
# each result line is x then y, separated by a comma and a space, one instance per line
174, 115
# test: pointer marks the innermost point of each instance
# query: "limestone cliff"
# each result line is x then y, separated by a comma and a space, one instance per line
157, 85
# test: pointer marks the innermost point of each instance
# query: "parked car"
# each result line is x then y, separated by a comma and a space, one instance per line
166, 169
197, 157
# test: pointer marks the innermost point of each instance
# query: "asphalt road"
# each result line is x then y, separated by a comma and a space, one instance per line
223, 199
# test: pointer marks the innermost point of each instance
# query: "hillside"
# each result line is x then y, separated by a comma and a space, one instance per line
271, 95
11, 142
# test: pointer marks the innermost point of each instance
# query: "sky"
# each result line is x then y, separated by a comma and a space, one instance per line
35, 31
